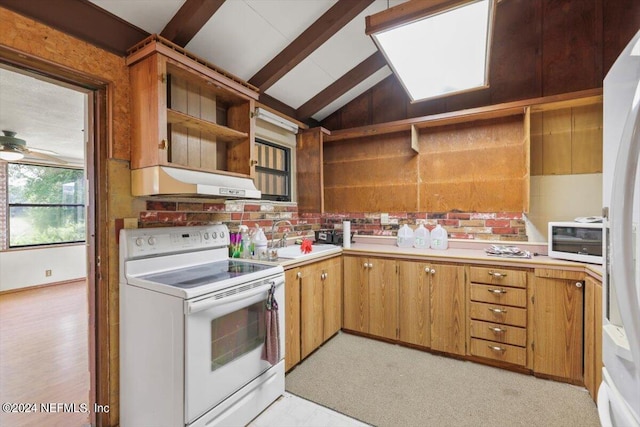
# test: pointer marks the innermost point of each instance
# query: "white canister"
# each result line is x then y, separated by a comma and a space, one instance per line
405, 237
421, 237
439, 238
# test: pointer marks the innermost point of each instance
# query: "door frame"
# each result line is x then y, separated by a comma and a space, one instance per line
99, 92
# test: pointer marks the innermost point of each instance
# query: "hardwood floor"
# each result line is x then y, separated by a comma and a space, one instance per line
44, 356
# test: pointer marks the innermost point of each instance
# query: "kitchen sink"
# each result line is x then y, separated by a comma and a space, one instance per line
293, 251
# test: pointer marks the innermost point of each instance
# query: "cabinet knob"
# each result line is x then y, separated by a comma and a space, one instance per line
497, 310
299, 274
432, 271
163, 144
323, 276
365, 265
496, 348
578, 284
370, 265
497, 291
496, 330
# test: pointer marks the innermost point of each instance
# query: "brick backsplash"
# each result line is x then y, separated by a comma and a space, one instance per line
460, 225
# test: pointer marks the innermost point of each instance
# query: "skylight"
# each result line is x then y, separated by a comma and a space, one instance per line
443, 53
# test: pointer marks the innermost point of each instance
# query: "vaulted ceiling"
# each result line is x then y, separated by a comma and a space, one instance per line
308, 57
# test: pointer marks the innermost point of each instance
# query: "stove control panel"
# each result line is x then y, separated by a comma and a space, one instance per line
143, 242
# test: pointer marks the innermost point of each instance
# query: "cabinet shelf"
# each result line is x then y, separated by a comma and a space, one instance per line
221, 133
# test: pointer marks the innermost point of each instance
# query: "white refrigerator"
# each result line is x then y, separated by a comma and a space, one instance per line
619, 393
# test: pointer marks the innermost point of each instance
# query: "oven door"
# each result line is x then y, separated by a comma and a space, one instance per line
225, 335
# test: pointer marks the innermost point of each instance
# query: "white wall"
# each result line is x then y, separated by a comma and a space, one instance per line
24, 268
562, 198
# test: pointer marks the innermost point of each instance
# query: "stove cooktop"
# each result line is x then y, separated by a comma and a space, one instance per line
192, 277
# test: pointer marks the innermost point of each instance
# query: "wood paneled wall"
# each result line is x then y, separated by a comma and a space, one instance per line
539, 48
476, 167
567, 141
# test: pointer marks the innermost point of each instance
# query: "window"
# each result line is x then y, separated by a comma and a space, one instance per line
443, 53
46, 205
273, 171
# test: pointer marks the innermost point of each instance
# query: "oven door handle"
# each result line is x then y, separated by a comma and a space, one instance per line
207, 303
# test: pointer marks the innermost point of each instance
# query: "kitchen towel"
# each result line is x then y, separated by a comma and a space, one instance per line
271, 349
346, 234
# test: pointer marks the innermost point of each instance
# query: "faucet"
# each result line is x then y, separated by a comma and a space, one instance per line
283, 240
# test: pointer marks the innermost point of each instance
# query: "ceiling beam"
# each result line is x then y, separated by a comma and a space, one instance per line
82, 19
313, 37
190, 19
341, 86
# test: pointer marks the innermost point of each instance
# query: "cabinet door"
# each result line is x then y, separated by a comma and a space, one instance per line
311, 307
383, 298
292, 317
413, 322
447, 309
356, 294
149, 146
332, 288
557, 329
592, 336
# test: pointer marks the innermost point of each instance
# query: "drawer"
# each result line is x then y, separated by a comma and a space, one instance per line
498, 314
497, 332
499, 276
499, 351
499, 295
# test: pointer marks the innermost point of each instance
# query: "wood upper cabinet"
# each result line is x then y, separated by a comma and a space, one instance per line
310, 169
292, 279
592, 335
447, 305
320, 303
414, 323
371, 296
557, 323
187, 114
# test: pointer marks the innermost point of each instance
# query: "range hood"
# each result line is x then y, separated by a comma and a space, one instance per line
169, 181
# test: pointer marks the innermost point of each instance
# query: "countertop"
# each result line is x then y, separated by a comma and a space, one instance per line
465, 253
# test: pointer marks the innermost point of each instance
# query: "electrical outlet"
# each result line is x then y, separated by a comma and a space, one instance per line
384, 218
47, 273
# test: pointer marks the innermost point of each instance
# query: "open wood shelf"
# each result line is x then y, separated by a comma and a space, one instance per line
473, 114
221, 133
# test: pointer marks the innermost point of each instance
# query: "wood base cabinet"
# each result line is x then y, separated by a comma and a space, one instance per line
292, 279
371, 296
557, 304
447, 304
592, 335
498, 314
414, 303
314, 307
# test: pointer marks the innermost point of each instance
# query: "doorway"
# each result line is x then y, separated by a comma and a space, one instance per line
47, 250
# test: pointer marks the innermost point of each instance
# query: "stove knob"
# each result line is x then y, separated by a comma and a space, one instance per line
221, 234
214, 235
152, 240
206, 235
139, 241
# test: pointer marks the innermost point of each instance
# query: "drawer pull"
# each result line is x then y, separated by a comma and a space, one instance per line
496, 348
497, 274
497, 291
497, 310
496, 330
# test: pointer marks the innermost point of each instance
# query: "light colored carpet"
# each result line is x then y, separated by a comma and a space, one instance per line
390, 385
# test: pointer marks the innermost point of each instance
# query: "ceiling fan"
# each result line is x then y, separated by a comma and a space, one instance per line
12, 148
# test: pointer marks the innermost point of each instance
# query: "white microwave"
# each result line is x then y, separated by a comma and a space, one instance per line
576, 241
